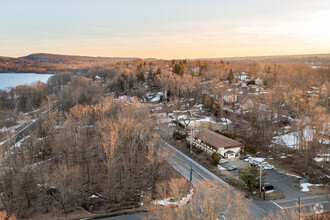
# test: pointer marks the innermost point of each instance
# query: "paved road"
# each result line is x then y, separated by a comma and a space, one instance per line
179, 161
259, 208
309, 203
182, 163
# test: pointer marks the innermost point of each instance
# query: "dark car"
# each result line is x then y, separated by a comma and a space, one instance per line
253, 164
267, 187
231, 168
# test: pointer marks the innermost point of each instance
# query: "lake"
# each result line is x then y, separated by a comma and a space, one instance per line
8, 80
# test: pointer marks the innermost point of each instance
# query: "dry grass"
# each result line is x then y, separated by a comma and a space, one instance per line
315, 190
275, 195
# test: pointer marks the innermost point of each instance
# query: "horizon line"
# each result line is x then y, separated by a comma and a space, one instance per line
158, 58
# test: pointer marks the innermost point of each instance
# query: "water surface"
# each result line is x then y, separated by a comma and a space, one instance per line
8, 80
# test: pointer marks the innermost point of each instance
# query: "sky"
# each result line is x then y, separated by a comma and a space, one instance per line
165, 29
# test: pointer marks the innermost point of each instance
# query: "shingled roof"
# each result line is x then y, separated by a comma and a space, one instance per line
216, 140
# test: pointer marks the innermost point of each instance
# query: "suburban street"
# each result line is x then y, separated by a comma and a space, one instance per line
180, 162
259, 208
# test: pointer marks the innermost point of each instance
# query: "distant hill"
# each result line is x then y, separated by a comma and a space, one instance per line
316, 59
57, 58
53, 63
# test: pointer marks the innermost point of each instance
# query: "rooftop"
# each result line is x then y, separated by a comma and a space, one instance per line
216, 140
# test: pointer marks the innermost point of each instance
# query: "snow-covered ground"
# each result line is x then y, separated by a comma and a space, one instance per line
13, 128
157, 97
167, 201
289, 174
318, 159
304, 186
292, 139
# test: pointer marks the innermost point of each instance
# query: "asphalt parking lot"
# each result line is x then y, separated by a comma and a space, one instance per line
281, 181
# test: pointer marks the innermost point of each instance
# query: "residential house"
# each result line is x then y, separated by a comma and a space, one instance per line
242, 76
258, 81
211, 141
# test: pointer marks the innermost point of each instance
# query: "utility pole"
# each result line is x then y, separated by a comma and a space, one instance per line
191, 137
260, 176
191, 170
299, 207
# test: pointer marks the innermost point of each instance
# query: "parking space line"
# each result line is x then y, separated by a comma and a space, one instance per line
276, 204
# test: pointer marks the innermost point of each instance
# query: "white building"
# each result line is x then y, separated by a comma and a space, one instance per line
211, 141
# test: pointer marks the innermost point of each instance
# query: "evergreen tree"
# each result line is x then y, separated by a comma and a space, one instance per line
230, 75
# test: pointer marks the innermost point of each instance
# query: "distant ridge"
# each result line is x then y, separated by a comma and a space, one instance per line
58, 58
49, 57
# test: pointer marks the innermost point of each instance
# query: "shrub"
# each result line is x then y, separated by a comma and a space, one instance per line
250, 149
215, 158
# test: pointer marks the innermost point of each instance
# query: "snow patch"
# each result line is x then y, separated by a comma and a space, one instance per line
183, 201
289, 174
93, 196
305, 186
318, 159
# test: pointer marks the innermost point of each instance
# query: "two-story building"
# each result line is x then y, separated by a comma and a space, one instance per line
211, 141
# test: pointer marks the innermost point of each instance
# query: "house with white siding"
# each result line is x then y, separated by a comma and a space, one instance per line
211, 141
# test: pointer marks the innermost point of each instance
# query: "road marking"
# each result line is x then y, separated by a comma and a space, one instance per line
277, 204
301, 205
303, 198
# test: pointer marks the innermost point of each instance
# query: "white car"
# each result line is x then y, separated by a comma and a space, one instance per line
221, 168
268, 167
171, 125
264, 164
252, 160
248, 159
222, 161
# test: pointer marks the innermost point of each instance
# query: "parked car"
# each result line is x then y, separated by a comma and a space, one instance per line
248, 159
263, 164
231, 168
254, 164
244, 157
221, 168
267, 187
267, 166
222, 161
